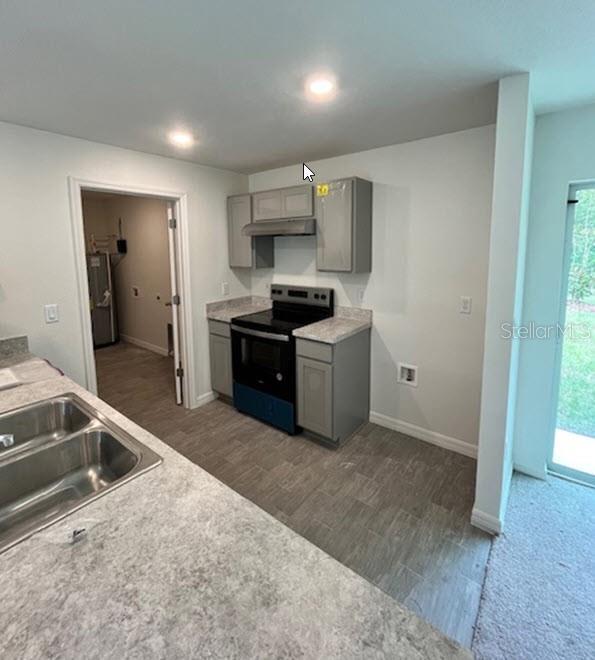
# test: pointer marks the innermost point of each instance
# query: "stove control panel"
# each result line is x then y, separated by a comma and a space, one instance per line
303, 295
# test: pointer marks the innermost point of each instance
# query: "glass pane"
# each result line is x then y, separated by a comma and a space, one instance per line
574, 446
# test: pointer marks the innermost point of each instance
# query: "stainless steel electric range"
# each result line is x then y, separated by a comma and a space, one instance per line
263, 352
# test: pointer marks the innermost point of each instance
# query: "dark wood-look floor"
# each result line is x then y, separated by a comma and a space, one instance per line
392, 508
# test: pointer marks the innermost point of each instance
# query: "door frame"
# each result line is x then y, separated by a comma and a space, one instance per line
556, 468
76, 186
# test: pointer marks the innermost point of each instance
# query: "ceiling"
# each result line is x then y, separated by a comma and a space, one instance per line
126, 73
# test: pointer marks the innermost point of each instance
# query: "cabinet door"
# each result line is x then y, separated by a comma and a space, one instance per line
220, 354
315, 396
334, 211
266, 205
297, 202
240, 246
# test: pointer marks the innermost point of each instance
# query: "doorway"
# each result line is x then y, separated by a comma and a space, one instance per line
573, 450
134, 290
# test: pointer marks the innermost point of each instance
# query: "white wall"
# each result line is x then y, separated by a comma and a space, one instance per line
36, 247
145, 266
564, 154
512, 174
432, 201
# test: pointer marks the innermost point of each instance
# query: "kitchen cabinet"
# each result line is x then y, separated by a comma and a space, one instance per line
344, 226
297, 202
283, 203
267, 205
333, 386
220, 358
245, 251
315, 396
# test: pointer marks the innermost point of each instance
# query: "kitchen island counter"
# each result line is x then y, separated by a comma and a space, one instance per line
176, 564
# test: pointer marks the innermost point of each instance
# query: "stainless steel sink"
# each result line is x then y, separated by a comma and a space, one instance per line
65, 454
41, 422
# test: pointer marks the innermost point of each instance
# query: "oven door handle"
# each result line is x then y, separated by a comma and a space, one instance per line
260, 333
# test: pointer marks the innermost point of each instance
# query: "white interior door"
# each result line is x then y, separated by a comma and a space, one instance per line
175, 300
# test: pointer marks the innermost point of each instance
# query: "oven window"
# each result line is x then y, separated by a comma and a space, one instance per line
263, 355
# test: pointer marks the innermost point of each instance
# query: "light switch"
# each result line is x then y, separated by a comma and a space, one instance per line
51, 313
465, 305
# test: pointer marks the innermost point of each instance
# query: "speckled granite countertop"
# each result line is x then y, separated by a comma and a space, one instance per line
226, 310
13, 346
19, 366
346, 322
177, 565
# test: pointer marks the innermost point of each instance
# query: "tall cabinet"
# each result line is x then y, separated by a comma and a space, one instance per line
344, 226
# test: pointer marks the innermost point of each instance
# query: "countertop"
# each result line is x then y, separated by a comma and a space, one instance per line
176, 564
18, 366
226, 310
346, 322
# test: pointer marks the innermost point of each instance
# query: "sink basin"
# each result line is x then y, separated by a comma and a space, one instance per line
65, 455
41, 422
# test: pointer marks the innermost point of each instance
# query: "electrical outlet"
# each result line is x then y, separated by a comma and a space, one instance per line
51, 313
360, 296
407, 374
465, 305
224, 288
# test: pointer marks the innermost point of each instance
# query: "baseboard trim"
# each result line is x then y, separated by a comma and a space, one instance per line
144, 344
445, 441
203, 399
485, 521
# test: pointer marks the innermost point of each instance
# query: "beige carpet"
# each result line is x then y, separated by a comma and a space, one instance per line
538, 600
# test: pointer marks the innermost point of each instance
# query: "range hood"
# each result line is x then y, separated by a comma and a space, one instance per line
298, 227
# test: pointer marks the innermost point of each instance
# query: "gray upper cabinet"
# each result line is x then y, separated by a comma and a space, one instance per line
344, 226
267, 205
297, 202
283, 203
239, 213
244, 251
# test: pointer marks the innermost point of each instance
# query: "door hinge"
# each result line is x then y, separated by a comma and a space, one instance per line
175, 300
173, 223
180, 372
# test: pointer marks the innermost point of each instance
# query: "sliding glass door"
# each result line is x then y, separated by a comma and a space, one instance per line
573, 450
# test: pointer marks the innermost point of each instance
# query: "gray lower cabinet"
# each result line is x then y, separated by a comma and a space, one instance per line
344, 226
220, 358
315, 396
333, 386
245, 251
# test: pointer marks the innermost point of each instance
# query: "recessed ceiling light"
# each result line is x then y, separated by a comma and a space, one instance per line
321, 87
181, 139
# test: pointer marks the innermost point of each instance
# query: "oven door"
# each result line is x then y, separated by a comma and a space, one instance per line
264, 361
